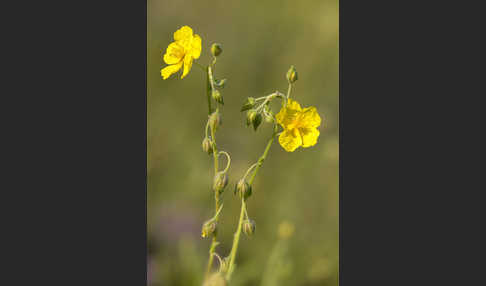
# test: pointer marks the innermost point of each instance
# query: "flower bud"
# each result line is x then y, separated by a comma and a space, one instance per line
243, 189
217, 96
214, 120
250, 102
220, 82
215, 279
216, 49
254, 118
249, 227
208, 228
220, 182
250, 116
292, 75
207, 146
269, 117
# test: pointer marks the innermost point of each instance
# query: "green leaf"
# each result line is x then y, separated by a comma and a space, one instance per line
257, 121
250, 102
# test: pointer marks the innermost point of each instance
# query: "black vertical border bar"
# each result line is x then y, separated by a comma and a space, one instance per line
79, 143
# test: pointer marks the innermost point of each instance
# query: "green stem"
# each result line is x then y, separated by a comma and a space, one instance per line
208, 91
236, 239
262, 158
214, 242
288, 91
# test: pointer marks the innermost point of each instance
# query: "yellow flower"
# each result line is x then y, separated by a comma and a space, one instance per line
185, 48
300, 126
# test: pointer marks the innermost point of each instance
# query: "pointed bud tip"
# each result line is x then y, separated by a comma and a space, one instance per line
292, 75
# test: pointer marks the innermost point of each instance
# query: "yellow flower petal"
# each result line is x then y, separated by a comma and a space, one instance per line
187, 65
294, 105
288, 116
196, 47
174, 54
309, 136
290, 140
184, 33
309, 118
168, 70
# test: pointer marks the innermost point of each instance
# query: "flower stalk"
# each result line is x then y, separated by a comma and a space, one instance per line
213, 125
243, 211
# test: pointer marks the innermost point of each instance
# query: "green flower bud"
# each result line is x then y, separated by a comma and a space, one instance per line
207, 146
215, 279
249, 227
269, 117
220, 82
292, 75
208, 228
220, 182
217, 96
250, 116
216, 49
250, 102
243, 189
215, 120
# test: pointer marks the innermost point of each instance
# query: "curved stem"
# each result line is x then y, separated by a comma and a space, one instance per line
249, 169
229, 160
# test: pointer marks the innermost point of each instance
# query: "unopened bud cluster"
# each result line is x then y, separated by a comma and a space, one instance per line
255, 115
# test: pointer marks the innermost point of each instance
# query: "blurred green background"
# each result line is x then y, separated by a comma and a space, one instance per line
260, 40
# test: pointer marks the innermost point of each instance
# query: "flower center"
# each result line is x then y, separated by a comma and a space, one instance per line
178, 53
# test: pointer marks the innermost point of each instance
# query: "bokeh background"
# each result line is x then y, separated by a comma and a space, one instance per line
260, 40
